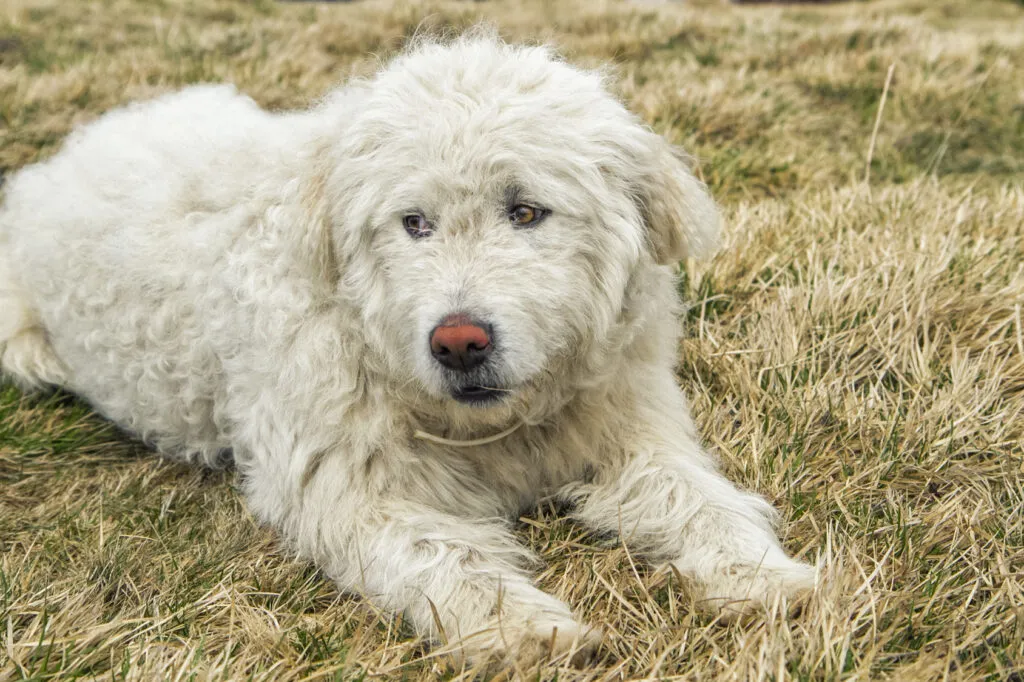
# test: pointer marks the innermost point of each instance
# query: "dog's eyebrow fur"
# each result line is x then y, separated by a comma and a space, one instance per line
513, 194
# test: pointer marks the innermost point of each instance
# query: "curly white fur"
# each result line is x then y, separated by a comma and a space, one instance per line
216, 278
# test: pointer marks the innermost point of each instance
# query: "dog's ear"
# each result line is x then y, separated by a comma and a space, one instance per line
682, 218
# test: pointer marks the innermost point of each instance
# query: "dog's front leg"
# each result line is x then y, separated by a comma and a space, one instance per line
458, 580
462, 583
661, 491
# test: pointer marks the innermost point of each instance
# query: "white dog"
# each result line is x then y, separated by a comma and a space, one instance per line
408, 313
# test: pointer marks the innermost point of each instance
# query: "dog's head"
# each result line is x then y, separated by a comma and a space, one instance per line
491, 206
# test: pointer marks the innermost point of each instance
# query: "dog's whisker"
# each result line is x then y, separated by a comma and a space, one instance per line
496, 388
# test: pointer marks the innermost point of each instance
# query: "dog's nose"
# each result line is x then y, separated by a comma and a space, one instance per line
461, 343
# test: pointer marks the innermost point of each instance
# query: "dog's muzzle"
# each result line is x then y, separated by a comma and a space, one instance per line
464, 346
461, 343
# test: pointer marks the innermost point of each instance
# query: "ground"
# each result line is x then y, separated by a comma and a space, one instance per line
855, 353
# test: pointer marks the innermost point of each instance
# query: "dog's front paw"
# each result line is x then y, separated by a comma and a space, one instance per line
511, 644
577, 643
740, 589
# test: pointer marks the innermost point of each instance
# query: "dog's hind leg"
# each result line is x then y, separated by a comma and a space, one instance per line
25, 353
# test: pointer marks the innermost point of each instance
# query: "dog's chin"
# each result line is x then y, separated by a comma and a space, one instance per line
478, 396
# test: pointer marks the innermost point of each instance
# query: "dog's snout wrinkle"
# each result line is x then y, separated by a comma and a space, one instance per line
461, 343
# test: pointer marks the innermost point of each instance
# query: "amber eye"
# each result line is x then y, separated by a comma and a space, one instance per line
522, 215
417, 225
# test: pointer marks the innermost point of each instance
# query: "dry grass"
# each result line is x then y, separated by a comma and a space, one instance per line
856, 353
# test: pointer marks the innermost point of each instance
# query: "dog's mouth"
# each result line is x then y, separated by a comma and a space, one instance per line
478, 395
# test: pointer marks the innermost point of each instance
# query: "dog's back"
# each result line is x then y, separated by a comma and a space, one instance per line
108, 249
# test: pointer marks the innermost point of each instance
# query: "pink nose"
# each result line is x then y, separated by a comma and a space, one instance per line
461, 343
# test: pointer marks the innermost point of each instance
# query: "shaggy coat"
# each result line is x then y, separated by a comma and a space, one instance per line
220, 280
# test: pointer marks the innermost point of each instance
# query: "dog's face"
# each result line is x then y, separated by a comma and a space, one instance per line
493, 204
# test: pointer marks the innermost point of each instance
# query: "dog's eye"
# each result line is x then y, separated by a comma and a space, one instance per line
522, 215
417, 225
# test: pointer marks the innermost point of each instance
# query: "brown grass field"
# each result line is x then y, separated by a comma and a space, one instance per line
855, 353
